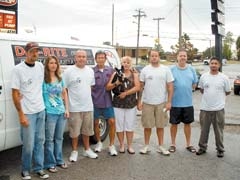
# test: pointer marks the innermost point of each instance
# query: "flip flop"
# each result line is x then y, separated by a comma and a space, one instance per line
172, 149
63, 166
130, 151
52, 169
122, 150
191, 149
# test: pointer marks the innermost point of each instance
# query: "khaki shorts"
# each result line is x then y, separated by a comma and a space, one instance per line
80, 123
153, 116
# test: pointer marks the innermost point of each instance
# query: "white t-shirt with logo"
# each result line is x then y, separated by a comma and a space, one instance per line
155, 79
29, 80
215, 88
78, 81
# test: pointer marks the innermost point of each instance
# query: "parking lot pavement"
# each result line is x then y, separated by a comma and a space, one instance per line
181, 165
232, 112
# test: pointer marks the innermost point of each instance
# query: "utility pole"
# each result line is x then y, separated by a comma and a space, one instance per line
210, 47
139, 15
180, 24
158, 42
112, 23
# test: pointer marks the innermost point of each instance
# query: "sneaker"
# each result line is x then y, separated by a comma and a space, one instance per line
89, 153
42, 175
25, 175
73, 157
163, 151
144, 150
98, 147
220, 154
112, 150
200, 152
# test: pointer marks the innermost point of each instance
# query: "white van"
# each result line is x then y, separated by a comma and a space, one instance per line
12, 52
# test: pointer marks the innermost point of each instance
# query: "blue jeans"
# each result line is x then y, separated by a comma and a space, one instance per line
33, 138
55, 125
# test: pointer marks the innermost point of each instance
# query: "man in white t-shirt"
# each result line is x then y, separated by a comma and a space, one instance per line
27, 80
156, 95
79, 80
214, 86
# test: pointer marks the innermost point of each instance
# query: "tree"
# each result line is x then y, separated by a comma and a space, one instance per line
209, 52
157, 45
187, 45
238, 47
227, 44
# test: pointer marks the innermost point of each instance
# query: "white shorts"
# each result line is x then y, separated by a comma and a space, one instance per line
125, 119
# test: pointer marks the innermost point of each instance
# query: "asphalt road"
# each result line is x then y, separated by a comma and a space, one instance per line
182, 165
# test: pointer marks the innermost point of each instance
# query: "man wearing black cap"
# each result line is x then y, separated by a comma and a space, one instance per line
27, 79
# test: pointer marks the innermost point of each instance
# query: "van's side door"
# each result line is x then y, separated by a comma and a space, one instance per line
2, 108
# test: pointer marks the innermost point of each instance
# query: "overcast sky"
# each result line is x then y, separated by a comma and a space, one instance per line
91, 21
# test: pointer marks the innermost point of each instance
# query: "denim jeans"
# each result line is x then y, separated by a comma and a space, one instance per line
55, 125
33, 138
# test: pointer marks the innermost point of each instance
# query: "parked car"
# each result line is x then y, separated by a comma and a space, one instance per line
198, 77
189, 61
224, 61
236, 87
139, 68
206, 61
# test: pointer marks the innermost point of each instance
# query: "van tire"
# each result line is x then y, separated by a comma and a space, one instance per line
104, 130
236, 90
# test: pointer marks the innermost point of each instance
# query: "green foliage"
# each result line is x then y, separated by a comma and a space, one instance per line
187, 45
209, 52
227, 44
238, 47
161, 51
227, 52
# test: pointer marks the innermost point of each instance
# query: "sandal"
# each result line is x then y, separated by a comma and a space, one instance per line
52, 169
172, 149
63, 166
191, 149
130, 151
122, 150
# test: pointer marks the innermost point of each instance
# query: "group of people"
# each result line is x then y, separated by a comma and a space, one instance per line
44, 99
40, 97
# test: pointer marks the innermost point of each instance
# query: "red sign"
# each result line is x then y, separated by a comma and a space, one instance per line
9, 21
1, 20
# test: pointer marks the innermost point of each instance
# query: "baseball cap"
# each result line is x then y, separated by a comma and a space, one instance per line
30, 46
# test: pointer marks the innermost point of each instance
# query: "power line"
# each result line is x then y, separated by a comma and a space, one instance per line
196, 26
139, 15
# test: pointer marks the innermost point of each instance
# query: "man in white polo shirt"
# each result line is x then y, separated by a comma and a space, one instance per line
214, 87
